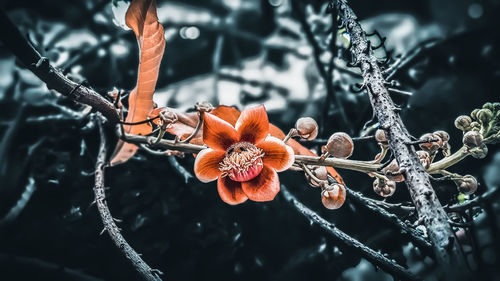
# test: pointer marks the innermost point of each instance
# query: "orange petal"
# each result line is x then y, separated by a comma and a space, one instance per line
227, 113
253, 125
276, 132
264, 187
277, 154
217, 133
230, 191
206, 165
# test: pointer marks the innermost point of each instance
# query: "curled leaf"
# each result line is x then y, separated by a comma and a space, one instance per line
142, 19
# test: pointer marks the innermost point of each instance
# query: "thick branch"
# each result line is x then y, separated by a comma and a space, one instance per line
145, 271
52, 77
375, 257
423, 196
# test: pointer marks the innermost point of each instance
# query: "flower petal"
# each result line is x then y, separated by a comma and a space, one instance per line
227, 113
264, 187
206, 165
217, 133
230, 191
277, 154
253, 125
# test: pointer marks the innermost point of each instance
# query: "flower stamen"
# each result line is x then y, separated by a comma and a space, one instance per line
242, 162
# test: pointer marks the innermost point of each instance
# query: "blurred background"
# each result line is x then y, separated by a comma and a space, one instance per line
232, 52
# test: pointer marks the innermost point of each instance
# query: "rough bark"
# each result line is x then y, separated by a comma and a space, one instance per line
146, 272
430, 210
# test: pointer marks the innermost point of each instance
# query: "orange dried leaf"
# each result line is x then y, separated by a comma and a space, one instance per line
142, 19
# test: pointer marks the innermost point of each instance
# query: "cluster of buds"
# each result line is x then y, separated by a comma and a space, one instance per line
474, 142
332, 194
384, 187
480, 128
433, 142
320, 173
339, 145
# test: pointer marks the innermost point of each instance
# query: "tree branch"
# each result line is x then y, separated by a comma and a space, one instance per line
145, 270
406, 230
52, 77
423, 196
376, 258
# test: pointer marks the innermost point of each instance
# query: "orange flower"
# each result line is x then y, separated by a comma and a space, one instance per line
243, 158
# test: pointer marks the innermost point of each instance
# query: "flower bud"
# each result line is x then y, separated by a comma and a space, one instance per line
473, 114
445, 137
306, 128
434, 142
479, 152
320, 172
463, 122
384, 188
203, 106
340, 145
381, 138
392, 172
333, 196
425, 158
467, 185
484, 115
166, 117
472, 139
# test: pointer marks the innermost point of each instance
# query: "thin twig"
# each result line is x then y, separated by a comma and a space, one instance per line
376, 258
180, 169
144, 270
488, 195
55, 271
25, 197
411, 233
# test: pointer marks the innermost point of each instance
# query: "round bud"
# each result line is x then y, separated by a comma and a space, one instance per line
340, 145
393, 172
333, 196
472, 139
443, 135
479, 152
467, 184
463, 122
384, 188
203, 106
320, 172
164, 116
425, 158
381, 138
432, 144
306, 128
484, 115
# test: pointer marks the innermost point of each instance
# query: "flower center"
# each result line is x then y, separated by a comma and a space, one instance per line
242, 162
